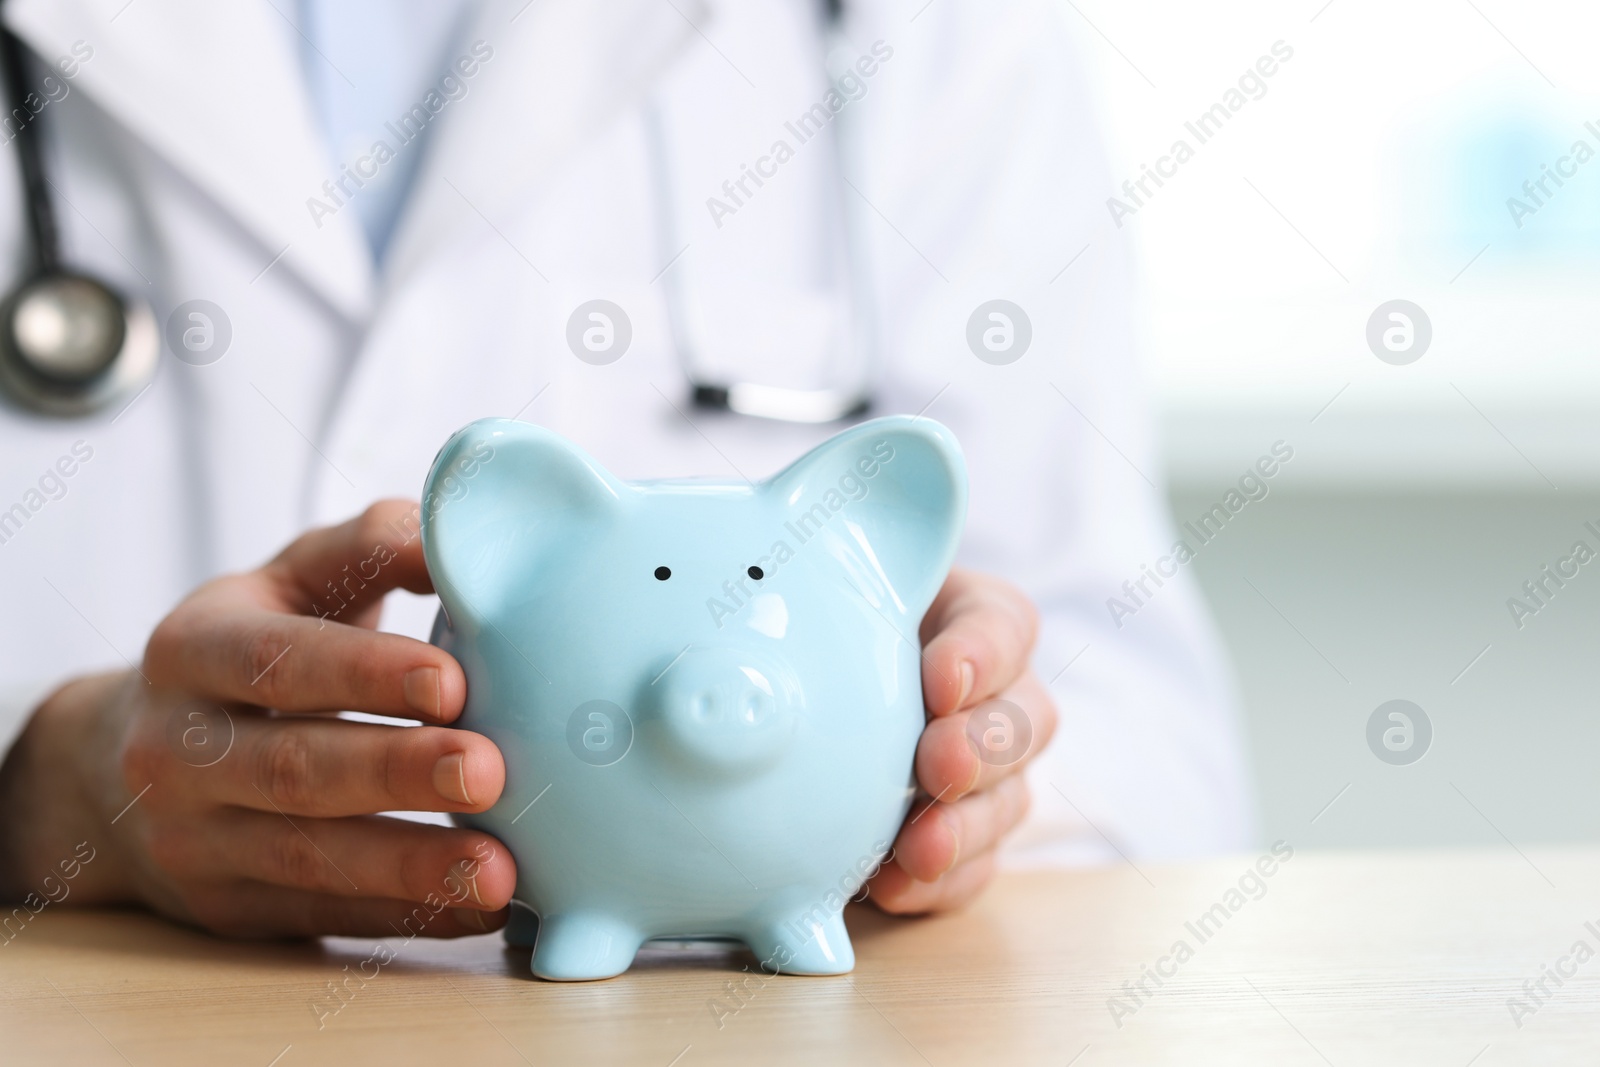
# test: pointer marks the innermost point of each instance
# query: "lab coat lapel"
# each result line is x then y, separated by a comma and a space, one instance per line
216, 89
560, 69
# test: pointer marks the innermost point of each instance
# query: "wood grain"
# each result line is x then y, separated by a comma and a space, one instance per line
1404, 958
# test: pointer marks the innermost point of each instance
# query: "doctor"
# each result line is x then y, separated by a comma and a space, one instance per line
359, 225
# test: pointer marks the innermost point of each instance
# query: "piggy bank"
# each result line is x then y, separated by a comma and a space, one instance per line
708, 694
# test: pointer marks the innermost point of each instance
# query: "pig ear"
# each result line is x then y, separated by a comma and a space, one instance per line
502, 500
887, 500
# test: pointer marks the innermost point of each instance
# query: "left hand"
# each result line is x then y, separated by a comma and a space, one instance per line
977, 639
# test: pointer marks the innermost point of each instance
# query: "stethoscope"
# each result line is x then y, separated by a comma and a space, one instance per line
847, 400
70, 344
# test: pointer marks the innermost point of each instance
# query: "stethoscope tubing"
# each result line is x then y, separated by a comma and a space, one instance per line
45, 239
777, 403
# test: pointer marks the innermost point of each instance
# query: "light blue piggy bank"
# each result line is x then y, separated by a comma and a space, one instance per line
708, 693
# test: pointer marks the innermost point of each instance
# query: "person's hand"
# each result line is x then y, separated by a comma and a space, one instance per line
977, 638
268, 827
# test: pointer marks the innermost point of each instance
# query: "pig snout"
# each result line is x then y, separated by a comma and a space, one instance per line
728, 709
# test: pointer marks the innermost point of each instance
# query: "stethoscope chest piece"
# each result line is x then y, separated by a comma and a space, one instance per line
70, 345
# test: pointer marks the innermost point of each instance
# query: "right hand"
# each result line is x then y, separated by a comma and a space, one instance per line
280, 836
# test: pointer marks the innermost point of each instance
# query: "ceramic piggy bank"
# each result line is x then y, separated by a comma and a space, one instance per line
708, 693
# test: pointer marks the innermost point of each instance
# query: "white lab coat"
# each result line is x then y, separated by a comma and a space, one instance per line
184, 156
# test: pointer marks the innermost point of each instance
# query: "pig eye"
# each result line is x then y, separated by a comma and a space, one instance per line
663, 573
757, 573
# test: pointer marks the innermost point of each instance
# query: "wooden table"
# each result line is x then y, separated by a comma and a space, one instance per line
1405, 958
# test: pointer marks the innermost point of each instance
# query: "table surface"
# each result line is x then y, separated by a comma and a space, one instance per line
1406, 958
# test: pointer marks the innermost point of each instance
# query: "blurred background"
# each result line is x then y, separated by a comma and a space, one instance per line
1385, 160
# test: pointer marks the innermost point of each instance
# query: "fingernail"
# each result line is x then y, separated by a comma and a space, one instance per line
967, 676
422, 690
468, 917
458, 876
450, 778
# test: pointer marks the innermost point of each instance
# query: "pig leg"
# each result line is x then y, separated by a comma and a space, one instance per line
522, 928
578, 946
805, 943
